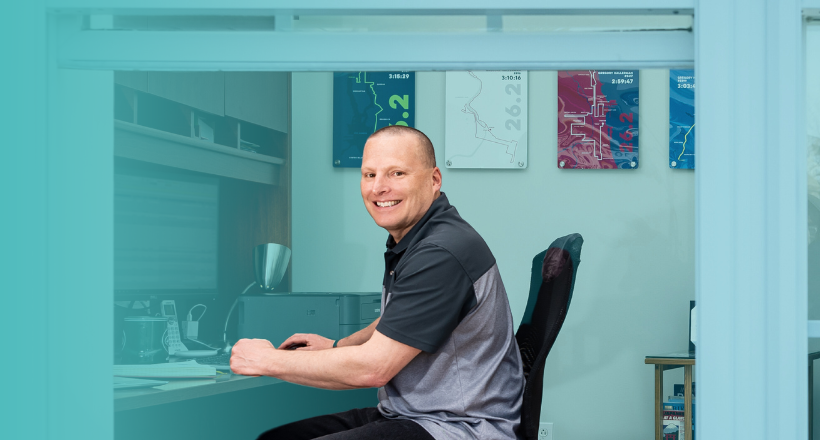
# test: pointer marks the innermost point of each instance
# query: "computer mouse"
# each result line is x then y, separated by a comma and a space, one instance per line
295, 346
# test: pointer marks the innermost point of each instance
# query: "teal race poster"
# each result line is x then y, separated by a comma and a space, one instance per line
682, 119
364, 102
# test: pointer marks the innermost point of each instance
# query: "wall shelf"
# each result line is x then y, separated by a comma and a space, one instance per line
145, 144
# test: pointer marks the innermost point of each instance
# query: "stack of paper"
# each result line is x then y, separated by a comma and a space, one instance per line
187, 369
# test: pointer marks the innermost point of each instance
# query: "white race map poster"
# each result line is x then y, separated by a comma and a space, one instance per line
486, 119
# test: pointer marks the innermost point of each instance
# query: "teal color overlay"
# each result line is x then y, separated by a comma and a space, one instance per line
57, 191
23, 223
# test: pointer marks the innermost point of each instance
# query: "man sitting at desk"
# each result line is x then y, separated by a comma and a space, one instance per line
443, 353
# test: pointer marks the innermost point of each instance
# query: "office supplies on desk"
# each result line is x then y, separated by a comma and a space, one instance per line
173, 339
270, 260
190, 327
174, 370
143, 339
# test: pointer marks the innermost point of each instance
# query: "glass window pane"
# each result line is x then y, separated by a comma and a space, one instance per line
813, 168
813, 180
637, 279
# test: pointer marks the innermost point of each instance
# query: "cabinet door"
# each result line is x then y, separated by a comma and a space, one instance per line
258, 97
202, 90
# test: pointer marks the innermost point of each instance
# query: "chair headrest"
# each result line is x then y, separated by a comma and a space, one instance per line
548, 264
572, 244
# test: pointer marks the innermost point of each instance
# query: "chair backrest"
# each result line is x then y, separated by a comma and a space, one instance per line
553, 278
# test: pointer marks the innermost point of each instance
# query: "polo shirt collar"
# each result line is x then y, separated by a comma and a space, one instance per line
439, 205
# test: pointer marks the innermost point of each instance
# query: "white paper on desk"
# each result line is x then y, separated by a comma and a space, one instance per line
169, 370
178, 384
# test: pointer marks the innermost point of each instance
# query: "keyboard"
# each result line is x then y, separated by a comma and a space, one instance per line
221, 362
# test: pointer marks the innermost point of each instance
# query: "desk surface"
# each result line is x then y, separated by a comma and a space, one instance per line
134, 398
677, 358
687, 358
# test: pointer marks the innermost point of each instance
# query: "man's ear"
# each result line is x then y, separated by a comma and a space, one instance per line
436, 179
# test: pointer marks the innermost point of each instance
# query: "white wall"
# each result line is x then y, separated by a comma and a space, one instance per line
637, 272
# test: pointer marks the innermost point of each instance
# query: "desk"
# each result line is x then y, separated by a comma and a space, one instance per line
670, 362
134, 398
242, 407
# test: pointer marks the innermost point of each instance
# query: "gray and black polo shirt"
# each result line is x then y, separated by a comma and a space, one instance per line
443, 294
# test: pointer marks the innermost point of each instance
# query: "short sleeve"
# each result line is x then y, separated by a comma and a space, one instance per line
431, 293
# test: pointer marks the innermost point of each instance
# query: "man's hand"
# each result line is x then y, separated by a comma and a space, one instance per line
249, 357
307, 342
370, 365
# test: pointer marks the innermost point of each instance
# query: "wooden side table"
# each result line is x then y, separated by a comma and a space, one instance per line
670, 362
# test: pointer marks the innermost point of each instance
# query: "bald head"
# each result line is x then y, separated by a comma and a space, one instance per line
425, 149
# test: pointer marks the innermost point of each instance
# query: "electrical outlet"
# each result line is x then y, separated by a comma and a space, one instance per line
545, 431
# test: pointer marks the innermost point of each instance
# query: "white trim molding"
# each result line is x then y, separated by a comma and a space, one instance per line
310, 51
374, 7
751, 221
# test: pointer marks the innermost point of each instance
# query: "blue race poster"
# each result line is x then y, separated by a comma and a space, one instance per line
682, 119
364, 102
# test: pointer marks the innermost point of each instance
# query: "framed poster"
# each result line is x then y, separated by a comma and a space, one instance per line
598, 119
486, 119
364, 102
682, 119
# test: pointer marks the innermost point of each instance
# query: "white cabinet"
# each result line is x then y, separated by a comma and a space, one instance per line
201, 90
258, 97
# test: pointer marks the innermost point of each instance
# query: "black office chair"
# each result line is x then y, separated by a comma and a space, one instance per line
553, 278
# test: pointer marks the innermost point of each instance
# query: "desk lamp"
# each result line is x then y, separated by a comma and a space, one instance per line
270, 260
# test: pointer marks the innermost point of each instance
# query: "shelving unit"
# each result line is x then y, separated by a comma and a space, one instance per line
158, 130
132, 141
156, 125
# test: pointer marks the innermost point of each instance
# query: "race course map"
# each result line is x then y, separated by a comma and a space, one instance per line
364, 102
485, 119
598, 119
682, 119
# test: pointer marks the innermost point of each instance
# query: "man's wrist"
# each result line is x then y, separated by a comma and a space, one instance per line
268, 367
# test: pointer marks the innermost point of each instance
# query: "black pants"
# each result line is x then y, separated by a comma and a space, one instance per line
356, 424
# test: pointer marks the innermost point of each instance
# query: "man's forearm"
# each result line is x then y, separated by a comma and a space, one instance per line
360, 337
341, 369
371, 364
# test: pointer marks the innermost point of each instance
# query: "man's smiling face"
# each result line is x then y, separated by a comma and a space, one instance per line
397, 186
